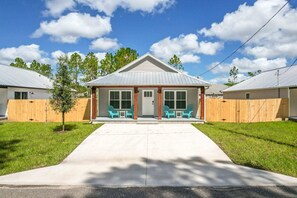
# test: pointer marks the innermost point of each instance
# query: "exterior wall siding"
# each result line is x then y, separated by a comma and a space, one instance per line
3, 101
8, 93
32, 93
293, 102
257, 94
104, 97
192, 98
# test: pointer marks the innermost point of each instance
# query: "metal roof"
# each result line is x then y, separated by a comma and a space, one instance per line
18, 77
215, 89
269, 79
123, 77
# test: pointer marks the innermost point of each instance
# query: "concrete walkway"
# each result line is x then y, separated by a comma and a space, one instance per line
148, 155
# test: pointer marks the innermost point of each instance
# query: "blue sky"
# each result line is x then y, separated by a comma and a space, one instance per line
200, 32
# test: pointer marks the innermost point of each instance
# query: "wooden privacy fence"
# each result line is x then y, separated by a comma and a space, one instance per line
229, 110
41, 111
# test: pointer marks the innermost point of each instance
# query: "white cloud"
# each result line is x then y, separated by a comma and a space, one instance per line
224, 79
246, 65
189, 58
69, 28
27, 52
250, 65
185, 46
56, 54
277, 39
100, 55
104, 44
56, 7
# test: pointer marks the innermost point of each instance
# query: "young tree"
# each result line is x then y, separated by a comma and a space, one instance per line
232, 76
75, 66
176, 62
252, 74
19, 62
124, 56
91, 67
62, 100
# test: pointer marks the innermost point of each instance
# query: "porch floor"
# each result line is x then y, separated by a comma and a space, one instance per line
147, 120
3, 117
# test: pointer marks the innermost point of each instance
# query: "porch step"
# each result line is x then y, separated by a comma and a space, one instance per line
293, 118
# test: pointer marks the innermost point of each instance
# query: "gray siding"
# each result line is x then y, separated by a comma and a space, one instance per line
293, 102
149, 64
192, 99
103, 100
257, 94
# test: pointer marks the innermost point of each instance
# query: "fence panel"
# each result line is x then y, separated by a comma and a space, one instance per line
229, 110
41, 111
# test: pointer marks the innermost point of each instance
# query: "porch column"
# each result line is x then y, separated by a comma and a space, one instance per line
93, 103
159, 103
202, 103
135, 103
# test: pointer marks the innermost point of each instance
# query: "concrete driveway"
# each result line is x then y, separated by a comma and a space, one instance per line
148, 155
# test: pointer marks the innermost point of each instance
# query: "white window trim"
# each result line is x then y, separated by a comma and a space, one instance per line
167, 90
22, 95
120, 99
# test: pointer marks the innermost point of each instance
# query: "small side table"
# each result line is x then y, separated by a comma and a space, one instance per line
122, 114
178, 114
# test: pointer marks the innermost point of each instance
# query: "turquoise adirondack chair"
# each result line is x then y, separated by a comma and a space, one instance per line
168, 113
188, 112
112, 112
130, 113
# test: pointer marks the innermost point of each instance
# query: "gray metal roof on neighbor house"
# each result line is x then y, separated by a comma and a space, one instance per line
215, 89
269, 79
123, 77
17, 77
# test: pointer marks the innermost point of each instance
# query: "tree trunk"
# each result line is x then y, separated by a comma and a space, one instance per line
63, 121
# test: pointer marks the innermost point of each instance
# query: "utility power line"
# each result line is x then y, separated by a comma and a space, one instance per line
243, 44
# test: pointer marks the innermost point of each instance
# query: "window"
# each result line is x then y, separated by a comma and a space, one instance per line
20, 95
169, 99
175, 99
120, 99
126, 100
148, 93
181, 100
247, 96
114, 99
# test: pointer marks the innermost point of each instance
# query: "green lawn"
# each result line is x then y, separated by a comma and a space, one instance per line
26, 146
270, 146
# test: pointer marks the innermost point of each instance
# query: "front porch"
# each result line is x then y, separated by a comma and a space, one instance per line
147, 103
144, 120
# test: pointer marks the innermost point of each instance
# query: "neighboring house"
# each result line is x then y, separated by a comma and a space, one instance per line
277, 83
148, 84
17, 83
215, 91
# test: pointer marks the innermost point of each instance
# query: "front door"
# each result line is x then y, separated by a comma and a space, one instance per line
148, 102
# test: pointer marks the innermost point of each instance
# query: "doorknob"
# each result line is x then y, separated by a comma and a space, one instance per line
153, 102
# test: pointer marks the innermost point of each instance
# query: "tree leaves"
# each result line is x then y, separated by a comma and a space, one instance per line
176, 62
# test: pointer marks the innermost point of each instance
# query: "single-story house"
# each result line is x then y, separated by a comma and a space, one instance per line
276, 83
215, 91
148, 84
18, 83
